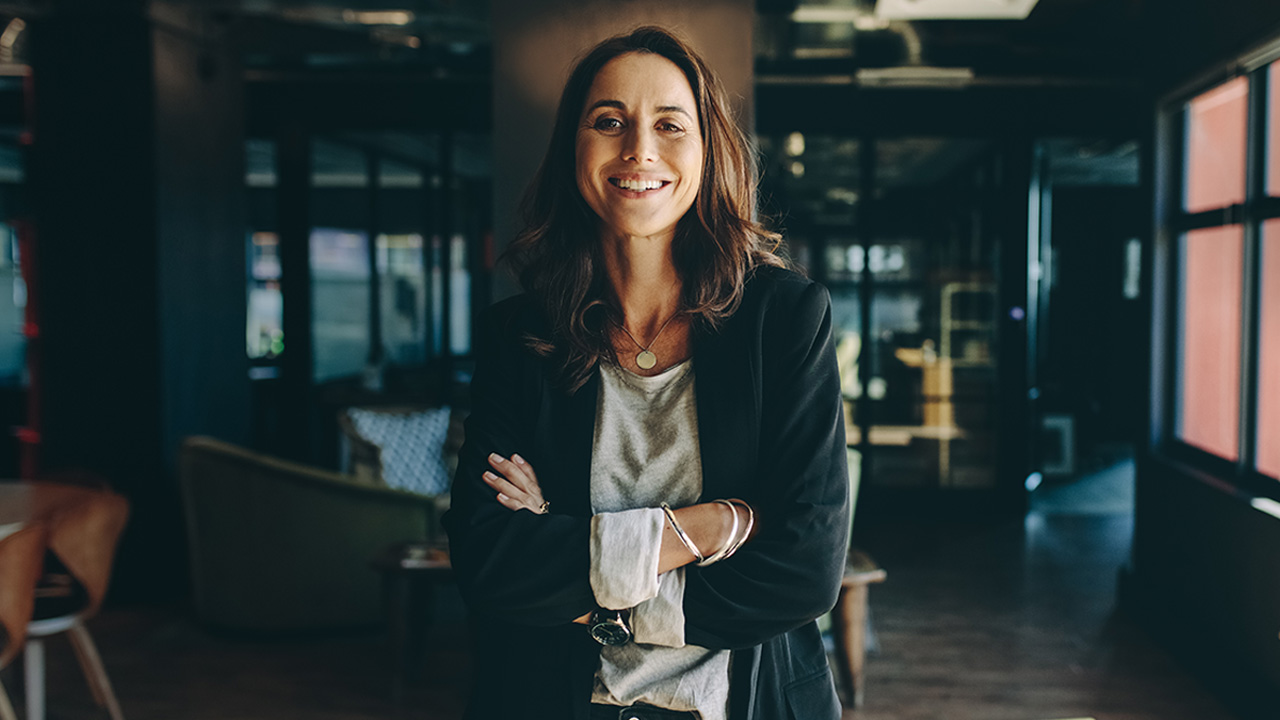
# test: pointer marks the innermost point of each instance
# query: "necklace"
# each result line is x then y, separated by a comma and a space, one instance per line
645, 359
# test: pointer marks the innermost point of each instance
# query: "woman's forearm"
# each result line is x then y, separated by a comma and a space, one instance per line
708, 526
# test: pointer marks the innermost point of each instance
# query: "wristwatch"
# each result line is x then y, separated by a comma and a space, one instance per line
610, 627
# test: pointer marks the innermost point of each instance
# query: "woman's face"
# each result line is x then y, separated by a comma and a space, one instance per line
639, 146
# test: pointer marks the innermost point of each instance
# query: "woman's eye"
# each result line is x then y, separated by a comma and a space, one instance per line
607, 123
670, 127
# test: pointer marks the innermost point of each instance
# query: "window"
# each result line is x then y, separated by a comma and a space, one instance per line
398, 226
1268, 437
1215, 147
1273, 130
339, 302
402, 291
265, 333
1223, 332
1209, 386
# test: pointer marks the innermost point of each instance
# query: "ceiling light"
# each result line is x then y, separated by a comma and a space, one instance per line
795, 144
377, 17
954, 9
915, 76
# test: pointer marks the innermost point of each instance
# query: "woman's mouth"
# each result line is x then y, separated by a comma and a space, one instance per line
639, 186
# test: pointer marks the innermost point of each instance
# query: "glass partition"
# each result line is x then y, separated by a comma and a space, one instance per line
933, 333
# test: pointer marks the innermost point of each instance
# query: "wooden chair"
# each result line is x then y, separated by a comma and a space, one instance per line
86, 654
849, 620
73, 605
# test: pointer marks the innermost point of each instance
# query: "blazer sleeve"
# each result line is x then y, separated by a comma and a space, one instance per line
523, 567
790, 572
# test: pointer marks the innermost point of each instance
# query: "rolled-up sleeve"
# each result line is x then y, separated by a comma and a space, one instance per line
625, 547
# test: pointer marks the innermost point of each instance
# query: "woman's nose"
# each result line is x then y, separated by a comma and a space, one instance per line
639, 145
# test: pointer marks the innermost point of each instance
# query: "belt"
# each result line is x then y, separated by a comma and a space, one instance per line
638, 712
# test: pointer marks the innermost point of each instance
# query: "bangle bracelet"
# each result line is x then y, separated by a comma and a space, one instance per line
751, 521
723, 552
671, 517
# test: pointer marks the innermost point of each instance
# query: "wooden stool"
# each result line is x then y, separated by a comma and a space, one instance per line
849, 619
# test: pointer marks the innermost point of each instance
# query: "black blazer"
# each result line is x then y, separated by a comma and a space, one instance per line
771, 431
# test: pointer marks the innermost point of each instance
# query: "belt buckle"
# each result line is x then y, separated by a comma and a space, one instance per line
649, 712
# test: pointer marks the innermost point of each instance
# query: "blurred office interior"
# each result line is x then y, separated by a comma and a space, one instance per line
1050, 230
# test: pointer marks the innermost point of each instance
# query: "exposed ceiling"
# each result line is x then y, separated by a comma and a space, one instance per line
1060, 40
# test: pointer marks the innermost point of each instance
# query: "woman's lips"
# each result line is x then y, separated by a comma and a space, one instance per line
637, 186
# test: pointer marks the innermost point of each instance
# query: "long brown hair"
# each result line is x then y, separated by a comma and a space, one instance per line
558, 257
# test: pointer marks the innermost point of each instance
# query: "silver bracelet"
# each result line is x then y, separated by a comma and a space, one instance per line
723, 552
751, 522
671, 517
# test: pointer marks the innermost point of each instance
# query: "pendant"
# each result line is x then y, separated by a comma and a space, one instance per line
646, 359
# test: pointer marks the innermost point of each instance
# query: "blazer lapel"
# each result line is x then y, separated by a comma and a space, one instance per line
728, 414
570, 428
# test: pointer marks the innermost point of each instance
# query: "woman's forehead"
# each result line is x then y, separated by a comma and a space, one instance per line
637, 81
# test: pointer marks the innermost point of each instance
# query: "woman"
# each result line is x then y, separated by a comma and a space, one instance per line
656, 445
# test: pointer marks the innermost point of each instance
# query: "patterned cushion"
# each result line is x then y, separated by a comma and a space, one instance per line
412, 447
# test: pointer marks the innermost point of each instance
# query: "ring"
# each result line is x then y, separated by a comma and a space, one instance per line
544, 508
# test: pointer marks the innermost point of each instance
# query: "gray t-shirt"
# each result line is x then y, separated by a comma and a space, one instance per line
645, 453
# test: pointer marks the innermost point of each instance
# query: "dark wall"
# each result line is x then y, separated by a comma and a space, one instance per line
1203, 569
1184, 37
1204, 581
1094, 365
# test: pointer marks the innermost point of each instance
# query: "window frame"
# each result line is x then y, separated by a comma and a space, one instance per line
1172, 223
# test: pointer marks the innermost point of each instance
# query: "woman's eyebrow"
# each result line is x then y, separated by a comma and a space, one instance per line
619, 105
674, 109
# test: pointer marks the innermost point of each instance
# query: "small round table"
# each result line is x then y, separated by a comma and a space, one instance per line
410, 572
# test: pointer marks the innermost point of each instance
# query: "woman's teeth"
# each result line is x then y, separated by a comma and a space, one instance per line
639, 185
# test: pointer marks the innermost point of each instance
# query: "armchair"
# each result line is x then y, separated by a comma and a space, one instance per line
279, 546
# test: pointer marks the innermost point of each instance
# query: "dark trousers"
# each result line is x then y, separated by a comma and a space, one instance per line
637, 712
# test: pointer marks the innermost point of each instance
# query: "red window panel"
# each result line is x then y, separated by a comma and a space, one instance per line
1209, 382
1273, 129
1268, 439
1217, 122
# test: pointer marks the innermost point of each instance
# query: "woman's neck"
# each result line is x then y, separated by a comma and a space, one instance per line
644, 279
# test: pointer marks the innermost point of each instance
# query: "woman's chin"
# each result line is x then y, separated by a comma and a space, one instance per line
623, 228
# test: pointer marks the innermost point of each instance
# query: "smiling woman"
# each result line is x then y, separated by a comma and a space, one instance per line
639, 148
676, 390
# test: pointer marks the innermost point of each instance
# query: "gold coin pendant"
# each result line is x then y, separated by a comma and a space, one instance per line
646, 360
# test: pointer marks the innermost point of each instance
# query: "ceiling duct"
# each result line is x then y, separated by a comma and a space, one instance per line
954, 9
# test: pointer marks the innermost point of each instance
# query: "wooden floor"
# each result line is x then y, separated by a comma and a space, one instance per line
1014, 621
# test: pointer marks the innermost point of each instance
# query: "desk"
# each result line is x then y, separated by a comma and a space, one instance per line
80, 525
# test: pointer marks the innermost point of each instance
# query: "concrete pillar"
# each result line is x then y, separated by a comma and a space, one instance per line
136, 182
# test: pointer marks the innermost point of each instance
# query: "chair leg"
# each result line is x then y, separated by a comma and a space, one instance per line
6, 707
91, 662
33, 666
98, 698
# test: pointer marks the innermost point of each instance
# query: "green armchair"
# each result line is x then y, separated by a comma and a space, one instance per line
276, 546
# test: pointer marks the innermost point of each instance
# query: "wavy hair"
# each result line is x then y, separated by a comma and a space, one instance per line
557, 255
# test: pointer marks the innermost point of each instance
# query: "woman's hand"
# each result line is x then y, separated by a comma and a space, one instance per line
516, 484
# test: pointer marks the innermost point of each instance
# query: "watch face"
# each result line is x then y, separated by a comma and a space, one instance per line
608, 628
